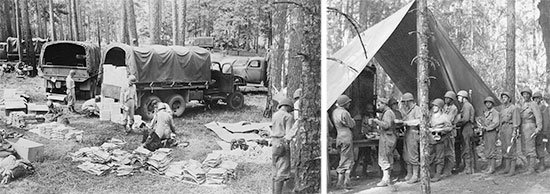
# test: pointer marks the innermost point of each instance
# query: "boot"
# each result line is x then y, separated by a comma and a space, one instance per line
409, 172
490, 167
530, 166
506, 164
541, 167
467, 167
437, 175
512, 171
340, 183
385, 179
278, 187
447, 169
347, 180
414, 178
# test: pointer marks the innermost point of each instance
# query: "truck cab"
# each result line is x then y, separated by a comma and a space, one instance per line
251, 70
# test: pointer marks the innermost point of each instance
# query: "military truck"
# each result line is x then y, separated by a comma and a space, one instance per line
251, 69
172, 74
58, 58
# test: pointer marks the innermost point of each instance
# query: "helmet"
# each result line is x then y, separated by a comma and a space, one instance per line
407, 97
438, 102
343, 100
505, 93
132, 78
463, 93
284, 102
450, 94
392, 101
526, 89
537, 95
489, 99
97, 98
383, 100
297, 93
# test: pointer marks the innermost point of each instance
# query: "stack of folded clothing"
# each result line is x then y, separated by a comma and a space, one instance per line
141, 155
98, 155
176, 170
121, 157
96, 169
194, 173
125, 170
159, 160
230, 168
216, 176
212, 160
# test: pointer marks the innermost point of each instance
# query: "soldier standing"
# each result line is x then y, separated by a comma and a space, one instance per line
129, 99
344, 140
71, 93
282, 123
509, 128
440, 127
465, 120
531, 125
411, 119
490, 125
451, 111
541, 136
388, 139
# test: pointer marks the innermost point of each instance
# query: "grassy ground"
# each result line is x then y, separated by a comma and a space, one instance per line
58, 174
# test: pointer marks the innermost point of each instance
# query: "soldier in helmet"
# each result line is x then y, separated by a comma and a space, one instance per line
509, 128
344, 139
440, 126
281, 123
411, 120
539, 139
129, 99
451, 111
465, 121
490, 132
388, 139
71, 91
531, 125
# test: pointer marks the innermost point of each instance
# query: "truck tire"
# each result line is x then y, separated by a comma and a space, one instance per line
177, 104
235, 100
146, 108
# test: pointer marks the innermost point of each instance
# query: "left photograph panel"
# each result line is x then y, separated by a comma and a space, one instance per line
169, 96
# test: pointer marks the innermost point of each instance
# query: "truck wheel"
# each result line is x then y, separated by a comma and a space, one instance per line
147, 109
235, 100
177, 104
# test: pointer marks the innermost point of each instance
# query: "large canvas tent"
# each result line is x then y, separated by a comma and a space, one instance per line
393, 44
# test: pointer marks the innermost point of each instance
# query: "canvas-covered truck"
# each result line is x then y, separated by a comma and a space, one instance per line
172, 74
58, 58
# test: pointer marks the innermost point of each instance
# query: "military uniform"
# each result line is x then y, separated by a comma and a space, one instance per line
451, 111
130, 102
71, 93
491, 124
344, 140
465, 122
388, 139
437, 150
412, 142
282, 122
531, 121
509, 121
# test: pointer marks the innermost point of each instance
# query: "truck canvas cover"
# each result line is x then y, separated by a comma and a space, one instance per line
71, 54
393, 43
158, 63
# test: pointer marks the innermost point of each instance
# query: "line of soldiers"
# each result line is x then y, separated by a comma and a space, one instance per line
528, 120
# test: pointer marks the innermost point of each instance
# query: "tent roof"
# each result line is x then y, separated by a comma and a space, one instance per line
392, 42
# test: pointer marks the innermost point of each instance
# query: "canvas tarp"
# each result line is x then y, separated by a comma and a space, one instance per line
72, 53
157, 63
392, 42
12, 45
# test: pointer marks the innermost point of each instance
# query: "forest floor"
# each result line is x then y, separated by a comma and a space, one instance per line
56, 173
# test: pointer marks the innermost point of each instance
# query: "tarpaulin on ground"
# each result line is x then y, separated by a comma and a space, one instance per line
158, 63
72, 54
393, 43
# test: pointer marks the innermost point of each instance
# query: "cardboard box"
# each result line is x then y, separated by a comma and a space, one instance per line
28, 149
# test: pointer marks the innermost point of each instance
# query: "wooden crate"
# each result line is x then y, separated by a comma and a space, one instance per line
29, 150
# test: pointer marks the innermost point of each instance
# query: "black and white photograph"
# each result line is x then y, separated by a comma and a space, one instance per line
160, 96
437, 96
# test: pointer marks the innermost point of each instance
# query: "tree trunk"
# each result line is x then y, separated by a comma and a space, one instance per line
544, 22
52, 26
130, 13
38, 31
363, 14
295, 66
175, 31
154, 21
308, 169
27, 34
510, 81
182, 25
422, 38
124, 37
107, 30
18, 29
277, 56
81, 18
5, 20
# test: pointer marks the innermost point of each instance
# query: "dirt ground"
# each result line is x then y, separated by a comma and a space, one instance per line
56, 173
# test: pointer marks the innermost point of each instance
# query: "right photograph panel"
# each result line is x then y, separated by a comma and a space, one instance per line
436, 96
